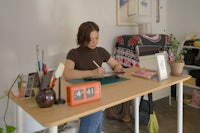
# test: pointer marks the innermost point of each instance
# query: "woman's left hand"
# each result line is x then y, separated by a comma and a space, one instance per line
120, 72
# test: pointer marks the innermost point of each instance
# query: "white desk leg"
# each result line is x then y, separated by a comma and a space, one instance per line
136, 103
19, 119
53, 129
180, 108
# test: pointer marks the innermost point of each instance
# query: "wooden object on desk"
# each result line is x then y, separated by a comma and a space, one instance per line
112, 94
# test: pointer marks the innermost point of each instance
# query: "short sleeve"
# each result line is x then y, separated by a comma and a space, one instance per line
71, 55
105, 54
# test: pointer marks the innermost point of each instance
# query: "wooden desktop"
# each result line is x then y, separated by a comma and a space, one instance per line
112, 94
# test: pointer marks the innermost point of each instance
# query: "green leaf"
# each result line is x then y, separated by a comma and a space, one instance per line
10, 129
1, 130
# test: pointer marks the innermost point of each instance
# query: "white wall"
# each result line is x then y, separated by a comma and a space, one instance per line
183, 17
53, 24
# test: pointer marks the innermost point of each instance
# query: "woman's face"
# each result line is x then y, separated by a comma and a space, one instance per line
94, 39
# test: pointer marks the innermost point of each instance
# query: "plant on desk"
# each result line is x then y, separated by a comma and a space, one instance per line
176, 55
9, 128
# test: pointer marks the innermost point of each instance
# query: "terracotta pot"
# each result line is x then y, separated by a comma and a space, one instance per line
176, 67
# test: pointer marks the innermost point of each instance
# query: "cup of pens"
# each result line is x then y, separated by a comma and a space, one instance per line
46, 96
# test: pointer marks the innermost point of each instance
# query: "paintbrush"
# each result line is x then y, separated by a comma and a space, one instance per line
58, 73
44, 66
37, 53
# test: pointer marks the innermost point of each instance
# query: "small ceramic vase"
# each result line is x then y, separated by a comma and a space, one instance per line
46, 98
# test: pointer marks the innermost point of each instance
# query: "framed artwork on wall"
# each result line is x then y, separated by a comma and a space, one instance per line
126, 11
144, 7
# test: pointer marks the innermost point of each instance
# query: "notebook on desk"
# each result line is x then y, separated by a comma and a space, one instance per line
146, 73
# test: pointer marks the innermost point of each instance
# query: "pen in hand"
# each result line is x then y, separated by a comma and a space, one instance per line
95, 63
100, 74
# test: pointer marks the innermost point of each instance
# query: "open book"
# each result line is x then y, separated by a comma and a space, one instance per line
146, 73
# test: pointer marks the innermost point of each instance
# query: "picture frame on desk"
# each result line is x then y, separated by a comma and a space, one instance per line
32, 83
162, 68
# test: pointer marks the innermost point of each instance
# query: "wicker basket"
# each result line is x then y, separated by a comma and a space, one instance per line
187, 98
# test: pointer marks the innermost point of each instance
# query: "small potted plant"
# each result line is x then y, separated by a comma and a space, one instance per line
176, 56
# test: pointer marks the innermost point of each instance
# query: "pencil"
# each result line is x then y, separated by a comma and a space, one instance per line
37, 53
95, 63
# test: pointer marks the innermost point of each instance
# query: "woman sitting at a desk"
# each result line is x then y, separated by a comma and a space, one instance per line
85, 62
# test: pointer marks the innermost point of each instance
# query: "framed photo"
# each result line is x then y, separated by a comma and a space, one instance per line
126, 10
33, 82
162, 68
144, 7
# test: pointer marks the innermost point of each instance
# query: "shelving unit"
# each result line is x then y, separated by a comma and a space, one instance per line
191, 82
188, 82
191, 47
192, 86
192, 67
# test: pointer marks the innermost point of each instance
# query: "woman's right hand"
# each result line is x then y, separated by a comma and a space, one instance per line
99, 72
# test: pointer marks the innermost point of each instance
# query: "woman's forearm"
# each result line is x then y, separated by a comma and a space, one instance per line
75, 74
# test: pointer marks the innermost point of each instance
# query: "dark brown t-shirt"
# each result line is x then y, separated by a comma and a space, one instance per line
83, 57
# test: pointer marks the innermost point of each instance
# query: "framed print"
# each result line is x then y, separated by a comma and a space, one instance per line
162, 69
144, 7
33, 82
126, 10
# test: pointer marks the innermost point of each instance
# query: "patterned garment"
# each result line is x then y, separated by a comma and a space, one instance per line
128, 48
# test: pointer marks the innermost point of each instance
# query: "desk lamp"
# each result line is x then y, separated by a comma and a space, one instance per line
144, 24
